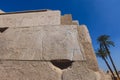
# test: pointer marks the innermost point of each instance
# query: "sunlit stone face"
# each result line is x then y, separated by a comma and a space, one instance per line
30, 19
40, 43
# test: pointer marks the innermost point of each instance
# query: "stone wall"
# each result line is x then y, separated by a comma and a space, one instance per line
75, 22
42, 45
85, 40
66, 19
45, 70
28, 70
30, 19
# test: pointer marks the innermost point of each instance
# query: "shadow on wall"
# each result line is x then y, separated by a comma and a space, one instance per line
3, 29
62, 64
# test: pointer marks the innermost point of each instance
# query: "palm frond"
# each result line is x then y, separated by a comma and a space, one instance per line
105, 40
110, 43
101, 53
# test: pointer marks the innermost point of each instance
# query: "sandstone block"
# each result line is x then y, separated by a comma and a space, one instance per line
30, 19
79, 71
85, 40
66, 19
40, 43
28, 70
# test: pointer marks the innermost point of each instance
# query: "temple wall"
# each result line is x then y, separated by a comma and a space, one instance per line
85, 40
30, 19
66, 19
41, 43
28, 70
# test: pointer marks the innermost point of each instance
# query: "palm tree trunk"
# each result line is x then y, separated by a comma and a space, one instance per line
112, 62
108, 67
114, 66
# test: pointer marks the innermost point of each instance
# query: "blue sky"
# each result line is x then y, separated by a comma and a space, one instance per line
101, 17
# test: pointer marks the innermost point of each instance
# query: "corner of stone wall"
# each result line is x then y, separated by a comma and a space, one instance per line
85, 40
79, 71
75, 22
66, 19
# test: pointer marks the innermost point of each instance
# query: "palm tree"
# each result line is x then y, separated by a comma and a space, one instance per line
102, 54
105, 42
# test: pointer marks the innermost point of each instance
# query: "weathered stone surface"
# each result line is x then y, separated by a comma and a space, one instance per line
75, 22
30, 42
44, 70
90, 57
85, 40
21, 43
30, 19
102, 75
28, 70
78, 71
40, 43
84, 34
66, 19
61, 43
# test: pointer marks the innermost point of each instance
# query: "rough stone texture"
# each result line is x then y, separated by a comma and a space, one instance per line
102, 75
61, 42
90, 56
108, 77
75, 22
84, 34
40, 43
30, 19
34, 38
44, 70
66, 19
28, 70
85, 40
79, 71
